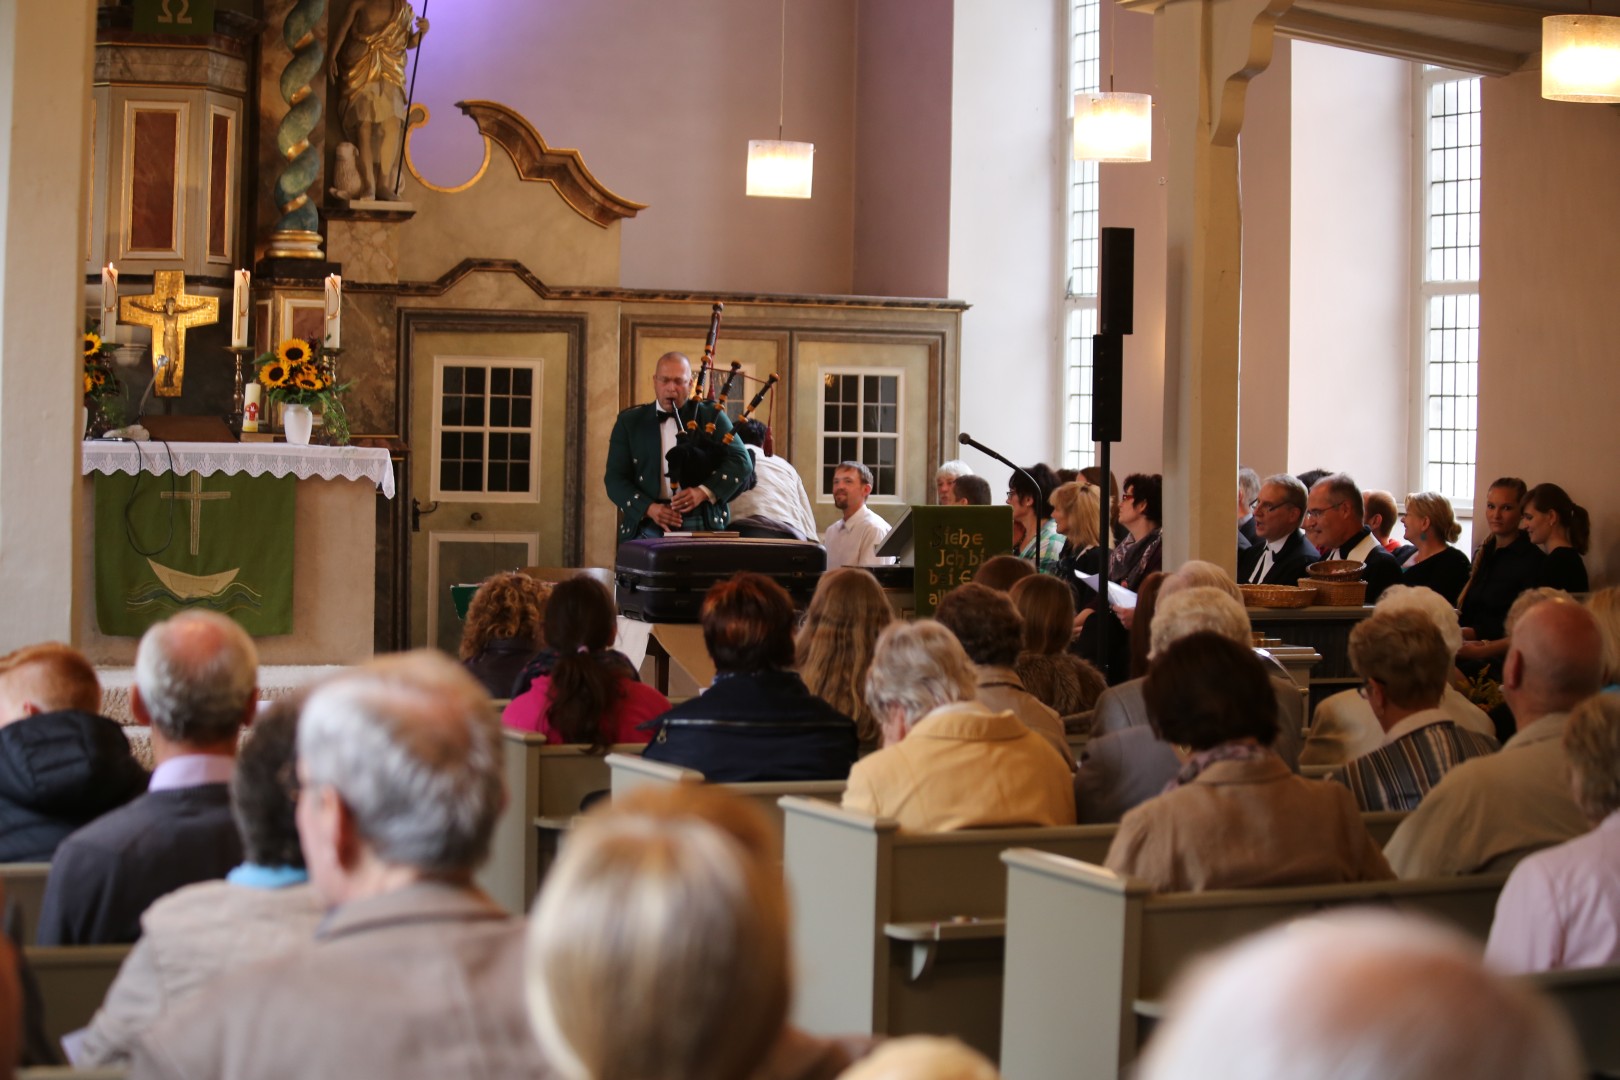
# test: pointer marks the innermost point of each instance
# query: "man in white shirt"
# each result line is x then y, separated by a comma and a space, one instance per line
853, 539
778, 493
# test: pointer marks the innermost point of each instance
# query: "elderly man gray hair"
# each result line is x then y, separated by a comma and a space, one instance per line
414, 972
1358, 995
195, 685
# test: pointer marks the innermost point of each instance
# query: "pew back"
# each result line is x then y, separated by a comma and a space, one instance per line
632, 772
73, 982
24, 885
1590, 997
1084, 945
900, 933
541, 782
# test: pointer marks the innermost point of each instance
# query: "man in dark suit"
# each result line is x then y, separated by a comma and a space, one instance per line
1333, 521
1281, 552
637, 477
195, 684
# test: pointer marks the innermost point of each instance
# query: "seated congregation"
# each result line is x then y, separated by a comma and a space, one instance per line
302, 901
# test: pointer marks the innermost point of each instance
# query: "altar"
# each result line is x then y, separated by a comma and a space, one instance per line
334, 533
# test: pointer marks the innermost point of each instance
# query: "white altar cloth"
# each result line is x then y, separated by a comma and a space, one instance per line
250, 459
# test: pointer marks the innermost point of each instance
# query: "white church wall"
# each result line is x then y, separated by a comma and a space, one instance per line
1350, 265
44, 166
1548, 343
1006, 187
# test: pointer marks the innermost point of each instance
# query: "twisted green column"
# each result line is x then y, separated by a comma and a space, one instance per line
297, 233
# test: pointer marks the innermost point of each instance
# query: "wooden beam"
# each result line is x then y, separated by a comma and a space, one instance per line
1385, 41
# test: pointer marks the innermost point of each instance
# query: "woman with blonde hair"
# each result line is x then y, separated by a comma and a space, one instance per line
1605, 608
504, 629
1058, 678
1077, 512
1432, 527
835, 643
658, 948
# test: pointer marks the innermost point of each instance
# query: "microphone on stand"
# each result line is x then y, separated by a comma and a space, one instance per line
967, 440
157, 373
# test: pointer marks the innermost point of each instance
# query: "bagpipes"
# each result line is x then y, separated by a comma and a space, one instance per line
698, 450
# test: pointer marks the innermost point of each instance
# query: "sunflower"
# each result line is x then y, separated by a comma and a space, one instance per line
274, 374
99, 378
294, 351
87, 385
308, 378
92, 343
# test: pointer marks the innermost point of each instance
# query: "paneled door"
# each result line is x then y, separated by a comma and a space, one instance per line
494, 476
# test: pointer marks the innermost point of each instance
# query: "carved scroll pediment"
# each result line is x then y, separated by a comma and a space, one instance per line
562, 168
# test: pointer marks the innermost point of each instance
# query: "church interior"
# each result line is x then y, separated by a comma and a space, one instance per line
570, 205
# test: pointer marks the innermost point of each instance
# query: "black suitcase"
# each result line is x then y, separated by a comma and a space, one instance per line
663, 580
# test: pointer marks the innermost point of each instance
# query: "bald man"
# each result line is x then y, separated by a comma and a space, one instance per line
1488, 813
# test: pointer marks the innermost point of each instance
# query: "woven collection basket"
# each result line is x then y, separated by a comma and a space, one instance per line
1336, 570
1278, 596
1337, 593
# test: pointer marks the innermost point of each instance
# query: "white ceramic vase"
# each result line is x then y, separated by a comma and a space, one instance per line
297, 421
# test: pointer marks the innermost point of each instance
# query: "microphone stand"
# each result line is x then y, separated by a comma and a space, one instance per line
967, 440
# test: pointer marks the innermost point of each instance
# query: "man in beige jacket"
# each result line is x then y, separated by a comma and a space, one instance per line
414, 973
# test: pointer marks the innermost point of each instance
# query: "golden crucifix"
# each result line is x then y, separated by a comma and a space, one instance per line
168, 308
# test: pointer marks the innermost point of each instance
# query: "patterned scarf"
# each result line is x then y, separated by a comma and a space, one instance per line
1237, 750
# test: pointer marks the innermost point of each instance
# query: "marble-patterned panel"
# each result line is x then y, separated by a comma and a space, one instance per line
367, 250
160, 66
370, 361
154, 168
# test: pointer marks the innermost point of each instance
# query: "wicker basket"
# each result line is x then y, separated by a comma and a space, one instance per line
1337, 593
1278, 596
1336, 570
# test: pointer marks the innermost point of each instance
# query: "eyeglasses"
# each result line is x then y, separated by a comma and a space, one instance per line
1313, 512
1268, 507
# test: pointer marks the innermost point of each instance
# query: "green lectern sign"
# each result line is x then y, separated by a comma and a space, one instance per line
174, 16
951, 543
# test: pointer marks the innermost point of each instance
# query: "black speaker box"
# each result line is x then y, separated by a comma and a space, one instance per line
1116, 281
1107, 389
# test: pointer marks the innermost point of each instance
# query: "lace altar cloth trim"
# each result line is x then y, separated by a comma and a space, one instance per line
252, 459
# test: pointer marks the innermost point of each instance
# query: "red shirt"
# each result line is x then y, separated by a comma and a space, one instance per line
636, 704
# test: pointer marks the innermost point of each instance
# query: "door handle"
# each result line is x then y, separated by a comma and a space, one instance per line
418, 511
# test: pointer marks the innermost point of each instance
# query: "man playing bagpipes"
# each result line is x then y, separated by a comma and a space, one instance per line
675, 464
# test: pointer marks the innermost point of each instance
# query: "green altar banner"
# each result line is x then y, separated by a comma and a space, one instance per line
168, 543
174, 16
951, 543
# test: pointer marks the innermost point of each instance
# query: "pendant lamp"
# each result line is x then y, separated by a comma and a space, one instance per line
1113, 127
1580, 58
780, 169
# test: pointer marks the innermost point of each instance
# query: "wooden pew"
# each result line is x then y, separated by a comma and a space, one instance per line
900, 933
73, 982
1590, 997
24, 885
541, 782
631, 772
1085, 945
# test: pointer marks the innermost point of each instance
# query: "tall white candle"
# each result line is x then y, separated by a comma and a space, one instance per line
240, 303
334, 311
109, 298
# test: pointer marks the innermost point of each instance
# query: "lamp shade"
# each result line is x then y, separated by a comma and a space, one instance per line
1580, 58
1113, 127
780, 170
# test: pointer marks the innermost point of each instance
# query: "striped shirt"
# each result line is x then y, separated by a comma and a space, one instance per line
1398, 774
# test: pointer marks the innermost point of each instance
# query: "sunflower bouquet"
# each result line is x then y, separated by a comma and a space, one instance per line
103, 393
295, 375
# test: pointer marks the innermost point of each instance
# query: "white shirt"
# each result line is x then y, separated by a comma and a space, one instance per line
778, 493
854, 541
1267, 557
1561, 907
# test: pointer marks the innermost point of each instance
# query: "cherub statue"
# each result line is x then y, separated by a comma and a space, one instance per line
368, 64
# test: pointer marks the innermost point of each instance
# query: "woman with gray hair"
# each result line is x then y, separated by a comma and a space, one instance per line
1344, 727
949, 762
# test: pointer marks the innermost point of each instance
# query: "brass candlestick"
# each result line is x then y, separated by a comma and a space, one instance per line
238, 392
329, 355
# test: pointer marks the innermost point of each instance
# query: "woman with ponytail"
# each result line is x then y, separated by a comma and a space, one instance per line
586, 697
1562, 529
